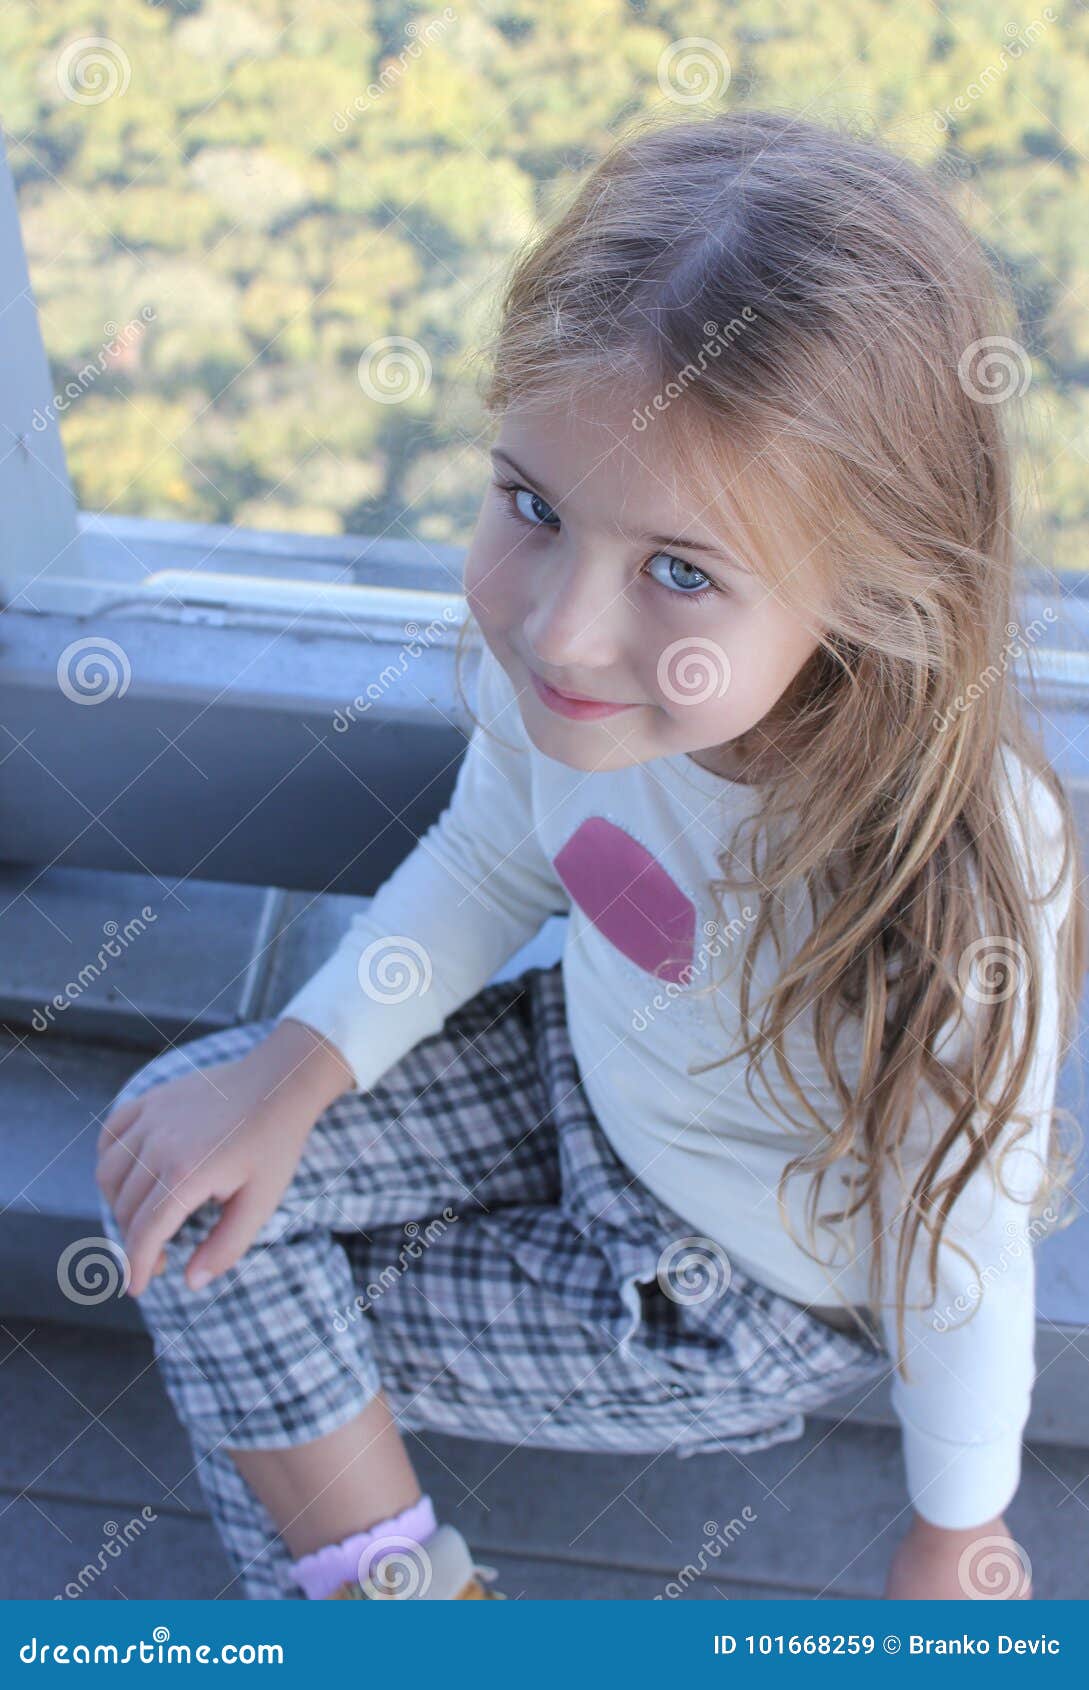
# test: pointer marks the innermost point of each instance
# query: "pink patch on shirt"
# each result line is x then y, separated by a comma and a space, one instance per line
629, 897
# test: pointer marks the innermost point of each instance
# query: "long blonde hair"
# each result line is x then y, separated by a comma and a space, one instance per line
860, 320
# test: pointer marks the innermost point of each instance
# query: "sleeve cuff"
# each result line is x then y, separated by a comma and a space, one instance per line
960, 1485
318, 1022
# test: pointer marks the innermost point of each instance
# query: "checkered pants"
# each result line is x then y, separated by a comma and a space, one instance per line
463, 1236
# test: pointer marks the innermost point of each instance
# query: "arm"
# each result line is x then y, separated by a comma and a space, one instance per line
971, 1361
941, 1564
971, 1349
472, 891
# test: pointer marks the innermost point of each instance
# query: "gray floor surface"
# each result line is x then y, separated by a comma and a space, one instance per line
91, 1439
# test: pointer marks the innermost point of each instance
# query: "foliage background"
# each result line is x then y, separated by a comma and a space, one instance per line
273, 221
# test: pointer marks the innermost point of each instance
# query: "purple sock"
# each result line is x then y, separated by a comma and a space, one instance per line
322, 1571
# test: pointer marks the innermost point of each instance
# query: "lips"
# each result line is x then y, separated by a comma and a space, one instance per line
577, 708
577, 697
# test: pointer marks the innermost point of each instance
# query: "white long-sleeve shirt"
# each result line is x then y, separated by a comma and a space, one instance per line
629, 854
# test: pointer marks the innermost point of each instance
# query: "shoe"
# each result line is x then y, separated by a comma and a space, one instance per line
441, 1569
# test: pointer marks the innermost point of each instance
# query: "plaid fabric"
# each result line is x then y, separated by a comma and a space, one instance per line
463, 1235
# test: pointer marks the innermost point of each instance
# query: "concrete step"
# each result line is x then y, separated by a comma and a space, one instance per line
89, 1439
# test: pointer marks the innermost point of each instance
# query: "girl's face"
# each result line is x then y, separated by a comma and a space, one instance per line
590, 573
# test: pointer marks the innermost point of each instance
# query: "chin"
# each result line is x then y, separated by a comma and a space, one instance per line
578, 754
550, 746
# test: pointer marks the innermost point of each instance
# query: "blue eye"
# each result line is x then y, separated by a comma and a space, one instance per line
513, 491
703, 589
681, 564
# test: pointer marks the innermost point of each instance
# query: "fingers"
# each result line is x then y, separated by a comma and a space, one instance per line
242, 1218
119, 1151
126, 1181
118, 1122
134, 1188
157, 1219
117, 1164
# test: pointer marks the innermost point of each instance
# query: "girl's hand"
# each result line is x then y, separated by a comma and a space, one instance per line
233, 1132
934, 1564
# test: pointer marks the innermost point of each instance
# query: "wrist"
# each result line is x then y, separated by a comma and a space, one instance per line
305, 1065
925, 1531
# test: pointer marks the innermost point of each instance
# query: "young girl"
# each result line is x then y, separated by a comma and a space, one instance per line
745, 581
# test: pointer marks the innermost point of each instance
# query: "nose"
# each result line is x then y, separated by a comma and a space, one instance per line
576, 624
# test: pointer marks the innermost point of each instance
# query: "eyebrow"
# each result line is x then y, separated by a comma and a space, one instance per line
662, 540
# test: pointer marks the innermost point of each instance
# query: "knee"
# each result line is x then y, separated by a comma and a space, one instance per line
168, 1289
